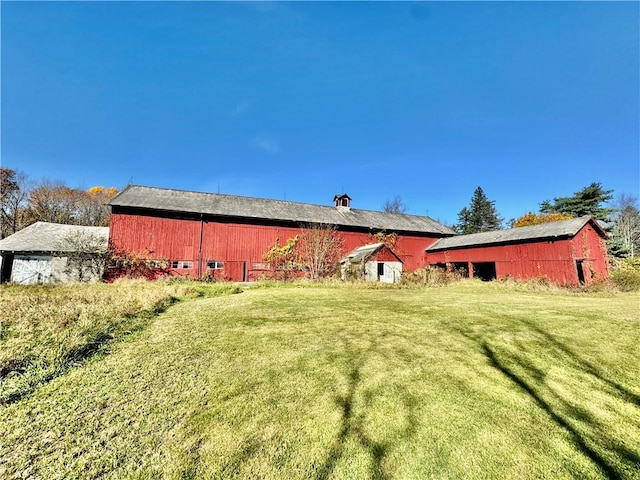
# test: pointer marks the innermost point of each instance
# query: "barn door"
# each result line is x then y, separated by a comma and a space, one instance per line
580, 271
33, 269
236, 271
7, 265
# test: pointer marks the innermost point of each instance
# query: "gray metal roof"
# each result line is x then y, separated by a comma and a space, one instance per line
560, 229
48, 237
363, 252
136, 196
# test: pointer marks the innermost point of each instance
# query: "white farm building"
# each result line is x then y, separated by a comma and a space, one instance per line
53, 253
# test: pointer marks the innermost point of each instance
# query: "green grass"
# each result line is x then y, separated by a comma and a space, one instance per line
470, 380
45, 329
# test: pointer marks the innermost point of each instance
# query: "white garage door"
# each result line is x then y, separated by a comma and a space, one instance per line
35, 269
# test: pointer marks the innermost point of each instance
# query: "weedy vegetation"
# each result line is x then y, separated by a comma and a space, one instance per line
469, 380
625, 274
45, 329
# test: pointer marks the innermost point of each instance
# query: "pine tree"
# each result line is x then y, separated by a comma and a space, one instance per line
480, 216
587, 201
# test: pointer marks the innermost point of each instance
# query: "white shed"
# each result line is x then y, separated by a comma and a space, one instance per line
53, 253
375, 262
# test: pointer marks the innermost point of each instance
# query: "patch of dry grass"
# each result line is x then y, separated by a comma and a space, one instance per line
46, 328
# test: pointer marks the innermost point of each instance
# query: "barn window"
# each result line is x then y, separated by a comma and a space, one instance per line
215, 265
260, 266
343, 200
381, 269
182, 264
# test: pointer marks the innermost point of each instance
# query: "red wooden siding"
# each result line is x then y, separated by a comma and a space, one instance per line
383, 255
239, 246
555, 260
590, 247
155, 237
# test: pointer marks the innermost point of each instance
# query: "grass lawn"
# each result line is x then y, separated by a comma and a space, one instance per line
471, 380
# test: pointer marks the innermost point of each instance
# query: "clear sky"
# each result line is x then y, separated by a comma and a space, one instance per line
426, 100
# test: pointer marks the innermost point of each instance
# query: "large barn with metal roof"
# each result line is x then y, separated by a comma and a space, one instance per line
568, 252
228, 235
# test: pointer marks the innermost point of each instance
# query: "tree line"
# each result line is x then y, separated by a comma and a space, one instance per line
24, 202
621, 219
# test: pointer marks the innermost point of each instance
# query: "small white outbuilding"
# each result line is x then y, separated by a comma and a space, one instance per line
375, 262
53, 253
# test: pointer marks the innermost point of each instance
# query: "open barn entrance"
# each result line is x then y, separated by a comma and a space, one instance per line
486, 271
580, 271
7, 265
462, 268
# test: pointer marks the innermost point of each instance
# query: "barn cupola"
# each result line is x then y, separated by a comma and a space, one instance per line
342, 201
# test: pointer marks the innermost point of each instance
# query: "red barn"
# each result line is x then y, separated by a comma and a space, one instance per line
567, 252
227, 235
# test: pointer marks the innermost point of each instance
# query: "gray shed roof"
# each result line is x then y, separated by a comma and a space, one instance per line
552, 230
48, 237
364, 252
136, 196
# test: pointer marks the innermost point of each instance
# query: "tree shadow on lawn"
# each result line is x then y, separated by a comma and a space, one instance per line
568, 400
353, 421
32, 372
586, 366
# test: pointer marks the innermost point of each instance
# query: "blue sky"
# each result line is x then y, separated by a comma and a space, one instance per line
426, 100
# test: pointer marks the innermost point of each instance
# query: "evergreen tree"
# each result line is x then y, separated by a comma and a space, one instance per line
480, 216
587, 201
